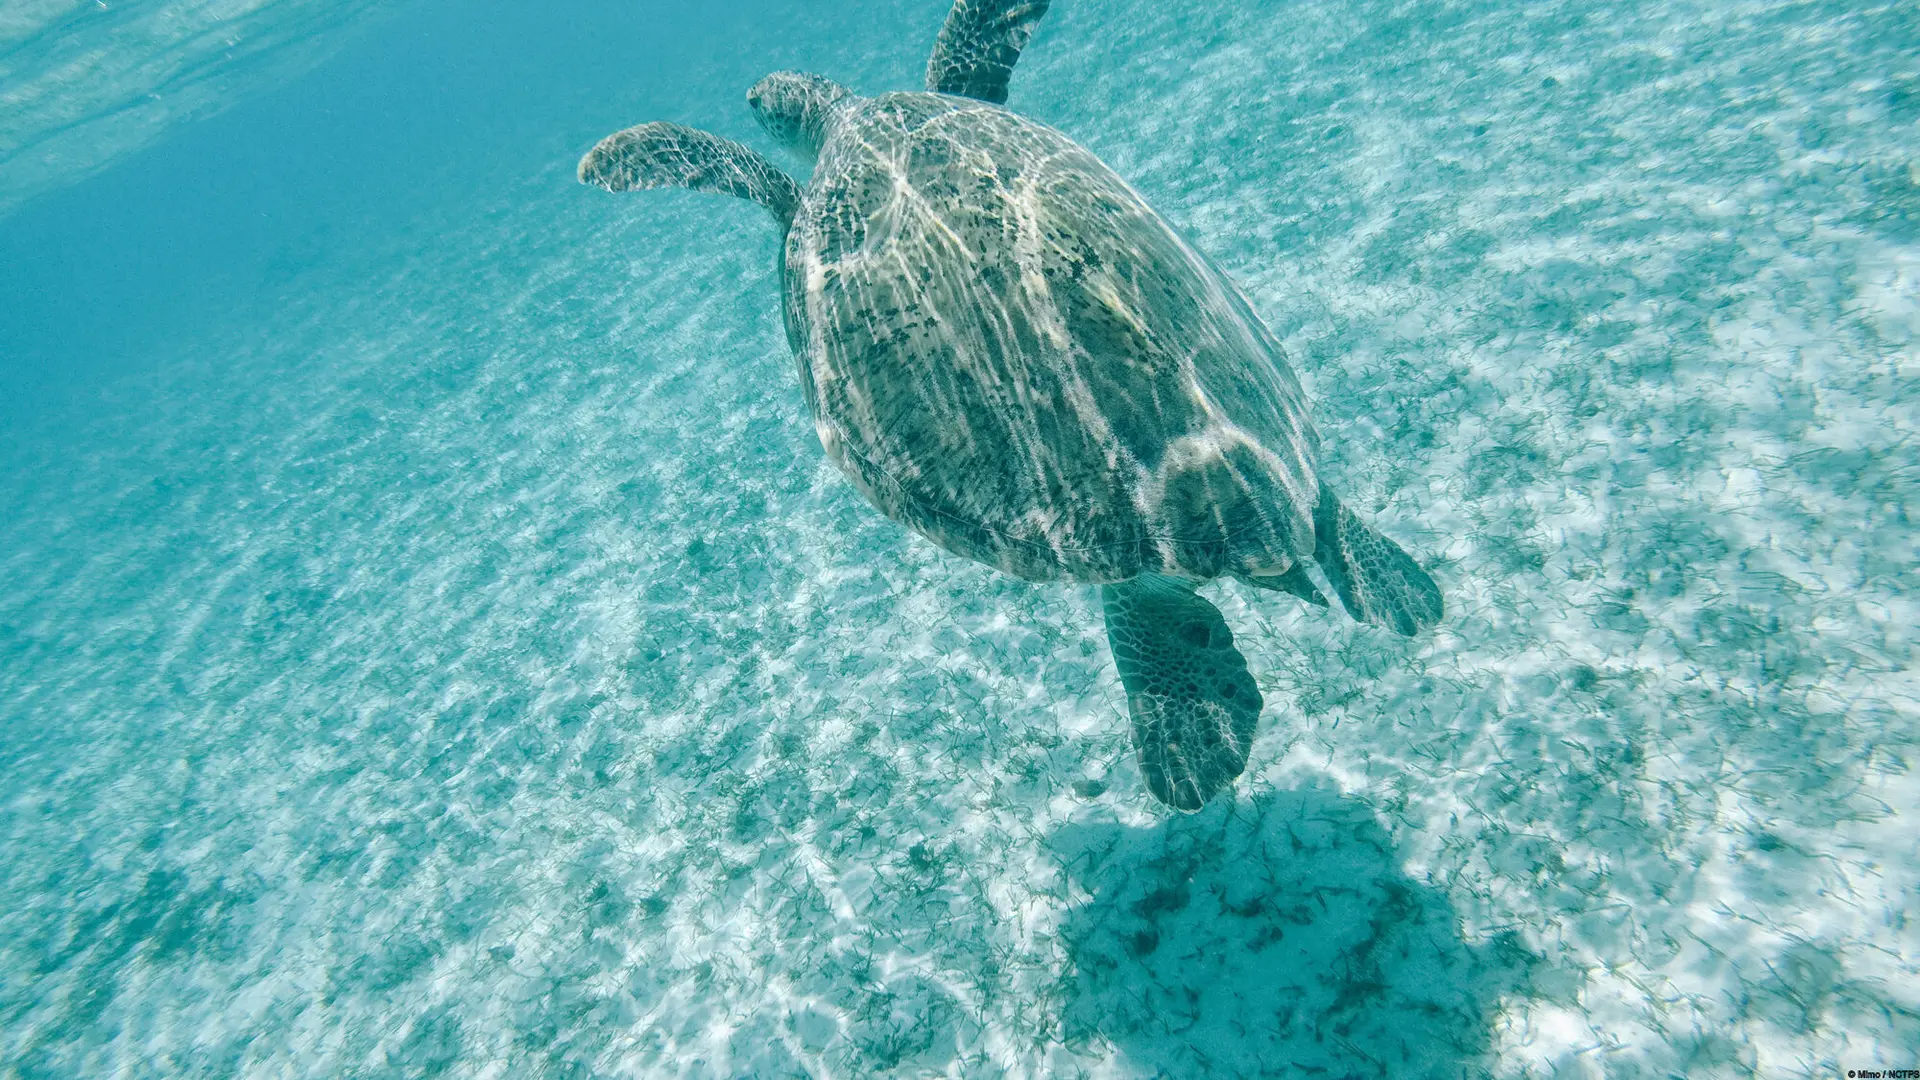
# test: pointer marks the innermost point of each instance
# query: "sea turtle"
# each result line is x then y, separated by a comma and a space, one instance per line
1006, 350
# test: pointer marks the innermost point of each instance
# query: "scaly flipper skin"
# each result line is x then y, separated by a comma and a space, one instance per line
1194, 705
979, 45
1378, 582
659, 154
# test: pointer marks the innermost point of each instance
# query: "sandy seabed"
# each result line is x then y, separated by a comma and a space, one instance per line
476, 670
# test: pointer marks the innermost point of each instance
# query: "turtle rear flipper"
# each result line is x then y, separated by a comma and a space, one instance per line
1377, 581
1294, 581
1194, 705
978, 46
660, 154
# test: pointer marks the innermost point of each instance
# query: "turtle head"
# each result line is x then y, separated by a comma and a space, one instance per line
793, 107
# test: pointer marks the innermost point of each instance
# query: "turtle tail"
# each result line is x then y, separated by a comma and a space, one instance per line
1378, 582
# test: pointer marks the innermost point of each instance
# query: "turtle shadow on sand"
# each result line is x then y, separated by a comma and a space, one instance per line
1274, 936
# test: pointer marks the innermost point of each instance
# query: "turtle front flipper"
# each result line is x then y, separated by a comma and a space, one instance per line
659, 154
1377, 581
1194, 705
979, 45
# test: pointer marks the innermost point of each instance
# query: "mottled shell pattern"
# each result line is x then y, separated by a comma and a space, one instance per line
1008, 351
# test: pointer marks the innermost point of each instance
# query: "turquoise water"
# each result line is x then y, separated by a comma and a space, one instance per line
433, 643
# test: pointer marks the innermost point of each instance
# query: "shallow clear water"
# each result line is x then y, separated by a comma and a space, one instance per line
432, 642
